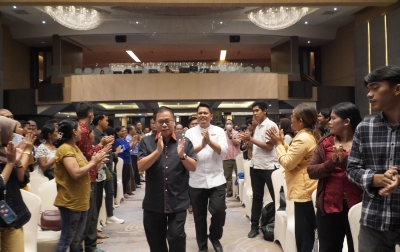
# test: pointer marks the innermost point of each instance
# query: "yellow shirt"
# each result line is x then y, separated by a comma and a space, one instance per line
295, 159
72, 193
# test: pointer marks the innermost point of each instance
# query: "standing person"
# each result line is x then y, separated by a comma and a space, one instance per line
73, 187
262, 164
134, 137
374, 160
192, 122
127, 171
229, 160
207, 183
324, 116
100, 121
335, 193
45, 152
286, 125
84, 112
135, 150
179, 129
167, 159
295, 159
153, 128
13, 177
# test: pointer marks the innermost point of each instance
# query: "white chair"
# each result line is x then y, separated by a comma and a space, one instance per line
248, 69
258, 69
247, 190
314, 200
235, 188
120, 191
97, 70
267, 69
87, 70
240, 69
290, 238
33, 203
354, 221
278, 180
102, 214
36, 179
78, 70
47, 193
106, 70
240, 168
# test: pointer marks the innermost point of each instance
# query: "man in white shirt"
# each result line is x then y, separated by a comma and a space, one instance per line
207, 183
262, 164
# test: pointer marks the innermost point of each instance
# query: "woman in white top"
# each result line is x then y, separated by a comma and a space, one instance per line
45, 152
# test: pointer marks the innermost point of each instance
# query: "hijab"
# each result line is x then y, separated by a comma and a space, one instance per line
286, 125
7, 127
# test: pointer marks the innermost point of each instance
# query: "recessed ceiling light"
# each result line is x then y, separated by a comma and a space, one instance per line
306, 22
308, 42
178, 103
133, 56
120, 103
222, 55
14, 7
43, 22
139, 114
335, 9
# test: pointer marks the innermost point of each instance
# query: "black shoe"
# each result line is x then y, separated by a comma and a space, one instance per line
217, 245
204, 250
253, 232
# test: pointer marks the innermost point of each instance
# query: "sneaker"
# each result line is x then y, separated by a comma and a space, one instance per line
253, 232
114, 220
138, 186
116, 206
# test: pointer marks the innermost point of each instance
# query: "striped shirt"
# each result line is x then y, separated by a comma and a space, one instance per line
376, 148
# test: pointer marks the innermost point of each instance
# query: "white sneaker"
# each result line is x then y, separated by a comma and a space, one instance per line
113, 219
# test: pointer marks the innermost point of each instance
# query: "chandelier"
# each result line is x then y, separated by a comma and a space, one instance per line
75, 17
277, 18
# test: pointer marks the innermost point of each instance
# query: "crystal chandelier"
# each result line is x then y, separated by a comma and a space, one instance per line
75, 17
277, 18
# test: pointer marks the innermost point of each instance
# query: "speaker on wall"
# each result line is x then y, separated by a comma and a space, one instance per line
120, 38
234, 38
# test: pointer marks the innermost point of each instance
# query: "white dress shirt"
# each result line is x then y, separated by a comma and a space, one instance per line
262, 159
209, 171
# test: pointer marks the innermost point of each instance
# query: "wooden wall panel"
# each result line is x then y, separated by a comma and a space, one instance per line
377, 35
393, 21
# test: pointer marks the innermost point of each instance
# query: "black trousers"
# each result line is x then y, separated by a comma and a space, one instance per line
331, 230
160, 227
135, 169
304, 225
214, 199
258, 180
127, 175
108, 186
91, 221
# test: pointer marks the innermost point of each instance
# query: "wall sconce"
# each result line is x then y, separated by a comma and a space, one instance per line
269, 104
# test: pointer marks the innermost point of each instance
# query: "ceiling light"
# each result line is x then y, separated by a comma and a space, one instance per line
133, 56
223, 55
277, 18
43, 22
75, 17
120, 103
14, 7
139, 114
306, 22
308, 42
335, 9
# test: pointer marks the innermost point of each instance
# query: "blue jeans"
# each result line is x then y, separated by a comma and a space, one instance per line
72, 227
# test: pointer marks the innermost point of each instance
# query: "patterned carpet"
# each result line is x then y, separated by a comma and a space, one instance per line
130, 236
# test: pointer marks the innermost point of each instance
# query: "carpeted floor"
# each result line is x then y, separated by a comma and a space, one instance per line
130, 236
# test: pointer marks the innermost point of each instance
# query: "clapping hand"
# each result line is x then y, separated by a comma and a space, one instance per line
100, 157
11, 153
339, 157
181, 147
160, 143
119, 149
391, 180
206, 138
107, 148
275, 136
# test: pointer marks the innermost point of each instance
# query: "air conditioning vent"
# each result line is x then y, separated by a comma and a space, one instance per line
329, 13
20, 12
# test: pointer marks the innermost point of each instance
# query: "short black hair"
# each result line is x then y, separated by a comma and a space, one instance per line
98, 116
326, 112
391, 74
205, 105
83, 109
261, 104
24, 123
249, 121
136, 123
110, 131
191, 119
129, 127
162, 109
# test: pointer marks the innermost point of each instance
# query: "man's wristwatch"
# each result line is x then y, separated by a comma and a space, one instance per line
184, 156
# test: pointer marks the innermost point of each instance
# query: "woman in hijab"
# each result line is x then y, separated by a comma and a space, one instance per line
13, 177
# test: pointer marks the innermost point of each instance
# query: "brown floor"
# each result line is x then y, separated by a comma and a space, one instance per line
130, 236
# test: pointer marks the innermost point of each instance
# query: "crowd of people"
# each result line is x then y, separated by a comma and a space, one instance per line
346, 159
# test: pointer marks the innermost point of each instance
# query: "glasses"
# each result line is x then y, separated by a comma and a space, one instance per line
167, 122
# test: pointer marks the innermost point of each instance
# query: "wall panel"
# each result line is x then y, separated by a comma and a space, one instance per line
377, 38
